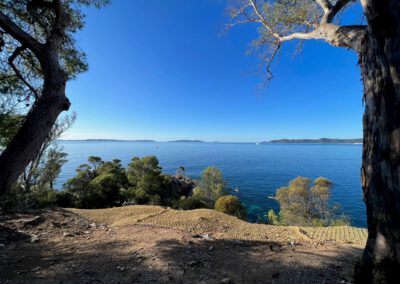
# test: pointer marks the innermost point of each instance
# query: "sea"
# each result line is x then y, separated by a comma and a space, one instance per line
254, 171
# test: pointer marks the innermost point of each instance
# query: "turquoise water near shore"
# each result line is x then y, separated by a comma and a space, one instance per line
256, 170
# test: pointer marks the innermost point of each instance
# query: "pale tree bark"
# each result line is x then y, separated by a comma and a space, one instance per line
378, 47
38, 123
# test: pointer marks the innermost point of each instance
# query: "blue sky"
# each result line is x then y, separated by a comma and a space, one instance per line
162, 70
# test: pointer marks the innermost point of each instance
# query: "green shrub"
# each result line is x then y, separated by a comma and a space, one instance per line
211, 186
46, 198
231, 205
136, 196
305, 203
273, 218
65, 199
341, 221
190, 203
104, 191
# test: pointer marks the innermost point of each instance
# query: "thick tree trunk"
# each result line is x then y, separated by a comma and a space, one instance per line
380, 64
37, 125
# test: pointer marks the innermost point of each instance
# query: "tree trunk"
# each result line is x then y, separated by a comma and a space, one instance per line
27, 143
380, 66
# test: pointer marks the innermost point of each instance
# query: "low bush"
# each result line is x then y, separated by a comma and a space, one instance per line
231, 205
190, 203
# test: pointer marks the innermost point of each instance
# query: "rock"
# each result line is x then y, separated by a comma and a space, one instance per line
121, 268
86, 232
274, 248
207, 237
67, 234
226, 280
210, 248
192, 263
30, 221
35, 269
2, 245
34, 238
93, 225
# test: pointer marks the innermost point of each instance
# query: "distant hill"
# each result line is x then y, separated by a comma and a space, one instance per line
107, 140
318, 141
184, 140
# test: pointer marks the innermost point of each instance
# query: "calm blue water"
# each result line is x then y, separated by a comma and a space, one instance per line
256, 170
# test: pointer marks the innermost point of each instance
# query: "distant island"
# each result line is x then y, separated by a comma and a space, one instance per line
185, 140
317, 141
107, 140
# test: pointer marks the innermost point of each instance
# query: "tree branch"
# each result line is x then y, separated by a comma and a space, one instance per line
15, 54
325, 5
341, 36
263, 20
333, 11
20, 35
60, 24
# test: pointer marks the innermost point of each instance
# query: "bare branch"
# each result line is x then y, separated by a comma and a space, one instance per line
20, 35
325, 5
15, 54
302, 36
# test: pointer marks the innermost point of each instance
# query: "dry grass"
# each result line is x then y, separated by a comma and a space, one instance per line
222, 226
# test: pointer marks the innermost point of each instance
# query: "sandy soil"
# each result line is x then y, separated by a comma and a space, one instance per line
150, 244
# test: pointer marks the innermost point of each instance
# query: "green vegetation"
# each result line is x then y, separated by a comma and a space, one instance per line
9, 125
35, 188
231, 205
103, 184
211, 186
305, 204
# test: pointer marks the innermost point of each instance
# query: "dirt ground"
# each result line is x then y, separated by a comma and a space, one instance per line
149, 244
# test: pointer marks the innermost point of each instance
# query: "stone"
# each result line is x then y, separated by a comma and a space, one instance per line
210, 248
207, 237
192, 263
226, 280
35, 269
34, 238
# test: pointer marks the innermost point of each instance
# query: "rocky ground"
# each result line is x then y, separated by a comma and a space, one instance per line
136, 245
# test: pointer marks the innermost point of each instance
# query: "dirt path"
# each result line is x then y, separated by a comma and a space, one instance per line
60, 246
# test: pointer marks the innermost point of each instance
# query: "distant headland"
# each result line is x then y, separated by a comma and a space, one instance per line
186, 140
107, 140
317, 141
